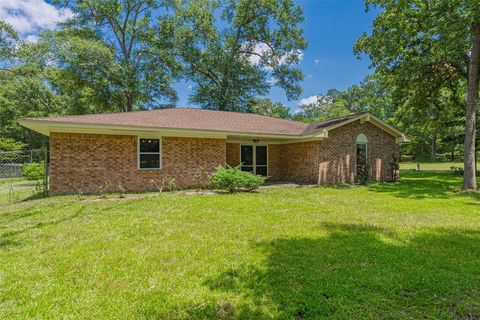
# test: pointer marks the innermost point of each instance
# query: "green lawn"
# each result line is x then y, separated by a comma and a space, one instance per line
402, 250
431, 166
19, 189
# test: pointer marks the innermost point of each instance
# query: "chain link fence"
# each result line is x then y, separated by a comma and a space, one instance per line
23, 175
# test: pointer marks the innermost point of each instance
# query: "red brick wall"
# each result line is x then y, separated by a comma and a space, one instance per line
329, 161
275, 162
337, 159
299, 162
233, 154
85, 162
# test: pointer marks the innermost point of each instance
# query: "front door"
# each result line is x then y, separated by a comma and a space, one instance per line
254, 159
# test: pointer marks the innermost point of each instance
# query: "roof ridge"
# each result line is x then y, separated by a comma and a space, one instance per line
320, 124
164, 109
341, 117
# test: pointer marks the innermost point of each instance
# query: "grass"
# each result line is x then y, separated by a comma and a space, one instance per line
431, 166
19, 189
409, 249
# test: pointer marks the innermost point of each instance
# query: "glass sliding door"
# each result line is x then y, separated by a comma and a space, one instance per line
254, 159
261, 160
246, 153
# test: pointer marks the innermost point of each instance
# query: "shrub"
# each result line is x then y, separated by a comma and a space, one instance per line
166, 183
394, 168
234, 180
457, 171
362, 177
121, 190
104, 189
33, 171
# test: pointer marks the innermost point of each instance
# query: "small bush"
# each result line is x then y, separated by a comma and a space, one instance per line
394, 168
104, 189
166, 183
234, 180
457, 171
121, 191
362, 177
33, 171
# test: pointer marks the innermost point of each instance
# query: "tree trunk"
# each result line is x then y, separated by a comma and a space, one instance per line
129, 102
453, 147
433, 152
469, 177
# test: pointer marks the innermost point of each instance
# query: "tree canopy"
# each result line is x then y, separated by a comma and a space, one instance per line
236, 50
428, 48
8, 40
139, 71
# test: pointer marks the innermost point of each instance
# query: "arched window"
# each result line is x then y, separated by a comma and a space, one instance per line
362, 153
362, 139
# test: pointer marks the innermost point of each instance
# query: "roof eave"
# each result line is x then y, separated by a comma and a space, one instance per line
46, 127
367, 117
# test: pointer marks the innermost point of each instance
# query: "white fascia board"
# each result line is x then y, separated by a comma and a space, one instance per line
45, 127
367, 117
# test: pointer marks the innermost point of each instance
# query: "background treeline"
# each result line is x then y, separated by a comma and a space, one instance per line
123, 55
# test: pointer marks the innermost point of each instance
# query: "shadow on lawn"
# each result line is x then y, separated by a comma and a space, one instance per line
9, 238
357, 271
420, 185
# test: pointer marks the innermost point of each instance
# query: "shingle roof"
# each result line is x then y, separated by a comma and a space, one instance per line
198, 119
187, 118
316, 126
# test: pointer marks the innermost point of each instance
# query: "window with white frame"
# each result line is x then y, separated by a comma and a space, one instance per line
149, 153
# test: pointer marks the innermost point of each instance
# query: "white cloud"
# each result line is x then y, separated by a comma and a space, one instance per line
262, 49
318, 101
29, 17
259, 49
283, 59
272, 81
32, 38
297, 111
307, 101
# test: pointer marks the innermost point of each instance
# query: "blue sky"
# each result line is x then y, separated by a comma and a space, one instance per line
331, 28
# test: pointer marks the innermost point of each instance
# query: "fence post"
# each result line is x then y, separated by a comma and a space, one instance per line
45, 179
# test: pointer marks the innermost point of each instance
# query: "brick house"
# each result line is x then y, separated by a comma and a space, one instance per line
136, 150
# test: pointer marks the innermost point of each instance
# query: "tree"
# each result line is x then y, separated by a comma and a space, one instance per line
427, 46
373, 94
144, 70
325, 107
266, 107
8, 42
470, 180
253, 46
24, 93
78, 65
9, 145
